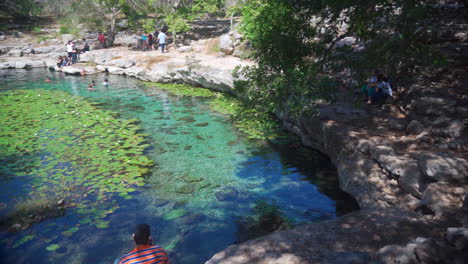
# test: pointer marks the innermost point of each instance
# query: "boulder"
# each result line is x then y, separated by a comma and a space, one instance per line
397, 254
443, 198
67, 37
47, 49
2, 37
71, 70
443, 167
435, 106
121, 63
125, 40
186, 189
432, 251
397, 123
455, 129
20, 65
415, 127
15, 53
115, 70
37, 63
226, 44
184, 49
458, 237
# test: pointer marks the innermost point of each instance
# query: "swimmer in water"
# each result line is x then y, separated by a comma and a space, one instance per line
47, 79
91, 86
106, 82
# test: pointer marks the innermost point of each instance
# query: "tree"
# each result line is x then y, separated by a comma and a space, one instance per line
20, 9
299, 43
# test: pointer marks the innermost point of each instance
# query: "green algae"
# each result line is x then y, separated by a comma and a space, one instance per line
71, 149
174, 214
182, 89
23, 240
53, 247
251, 122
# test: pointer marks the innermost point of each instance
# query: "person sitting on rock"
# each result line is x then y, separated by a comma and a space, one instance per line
83, 72
369, 88
384, 90
85, 46
144, 252
60, 62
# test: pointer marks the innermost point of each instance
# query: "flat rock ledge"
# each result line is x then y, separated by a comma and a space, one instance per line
353, 238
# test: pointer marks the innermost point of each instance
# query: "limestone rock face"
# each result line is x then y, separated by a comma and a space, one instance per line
442, 197
15, 53
443, 167
334, 240
226, 44
435, 106
67, 37
125, 40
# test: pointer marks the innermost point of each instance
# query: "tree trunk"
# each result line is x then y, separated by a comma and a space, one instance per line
111, 32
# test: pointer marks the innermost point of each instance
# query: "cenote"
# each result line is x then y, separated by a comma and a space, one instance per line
208, 185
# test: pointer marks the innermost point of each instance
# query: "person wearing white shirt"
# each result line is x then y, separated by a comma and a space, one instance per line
70, 48
162, 40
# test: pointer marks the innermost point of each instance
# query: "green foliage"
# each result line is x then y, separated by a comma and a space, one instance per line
71, 150
37, 29
149, 25
20, 9
295, 44
177, 24
69, 28
207, 6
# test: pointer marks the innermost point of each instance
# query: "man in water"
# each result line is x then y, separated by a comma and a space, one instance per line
144, 252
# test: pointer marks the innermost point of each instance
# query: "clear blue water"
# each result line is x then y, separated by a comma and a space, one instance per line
188, 141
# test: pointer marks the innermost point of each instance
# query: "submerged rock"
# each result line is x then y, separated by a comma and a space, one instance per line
227, 194
191, 178
186, 189
193, 218
186, 119
202, 124
174, 214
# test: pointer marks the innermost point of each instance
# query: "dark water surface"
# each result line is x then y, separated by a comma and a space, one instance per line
191, 145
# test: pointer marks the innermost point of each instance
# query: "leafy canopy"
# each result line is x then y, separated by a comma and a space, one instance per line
299, 44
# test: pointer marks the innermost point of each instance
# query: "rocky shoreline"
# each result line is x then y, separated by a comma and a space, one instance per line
404, 163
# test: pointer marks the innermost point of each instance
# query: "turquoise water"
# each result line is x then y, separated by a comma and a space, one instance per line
199, 156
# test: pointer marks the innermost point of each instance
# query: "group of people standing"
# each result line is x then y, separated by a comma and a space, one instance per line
377, 89
148, 40
73, 54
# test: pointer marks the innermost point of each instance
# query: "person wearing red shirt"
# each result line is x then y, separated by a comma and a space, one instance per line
144, 252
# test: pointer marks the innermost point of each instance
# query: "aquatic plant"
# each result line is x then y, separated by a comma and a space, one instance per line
266, 218
70, 149
255, 124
